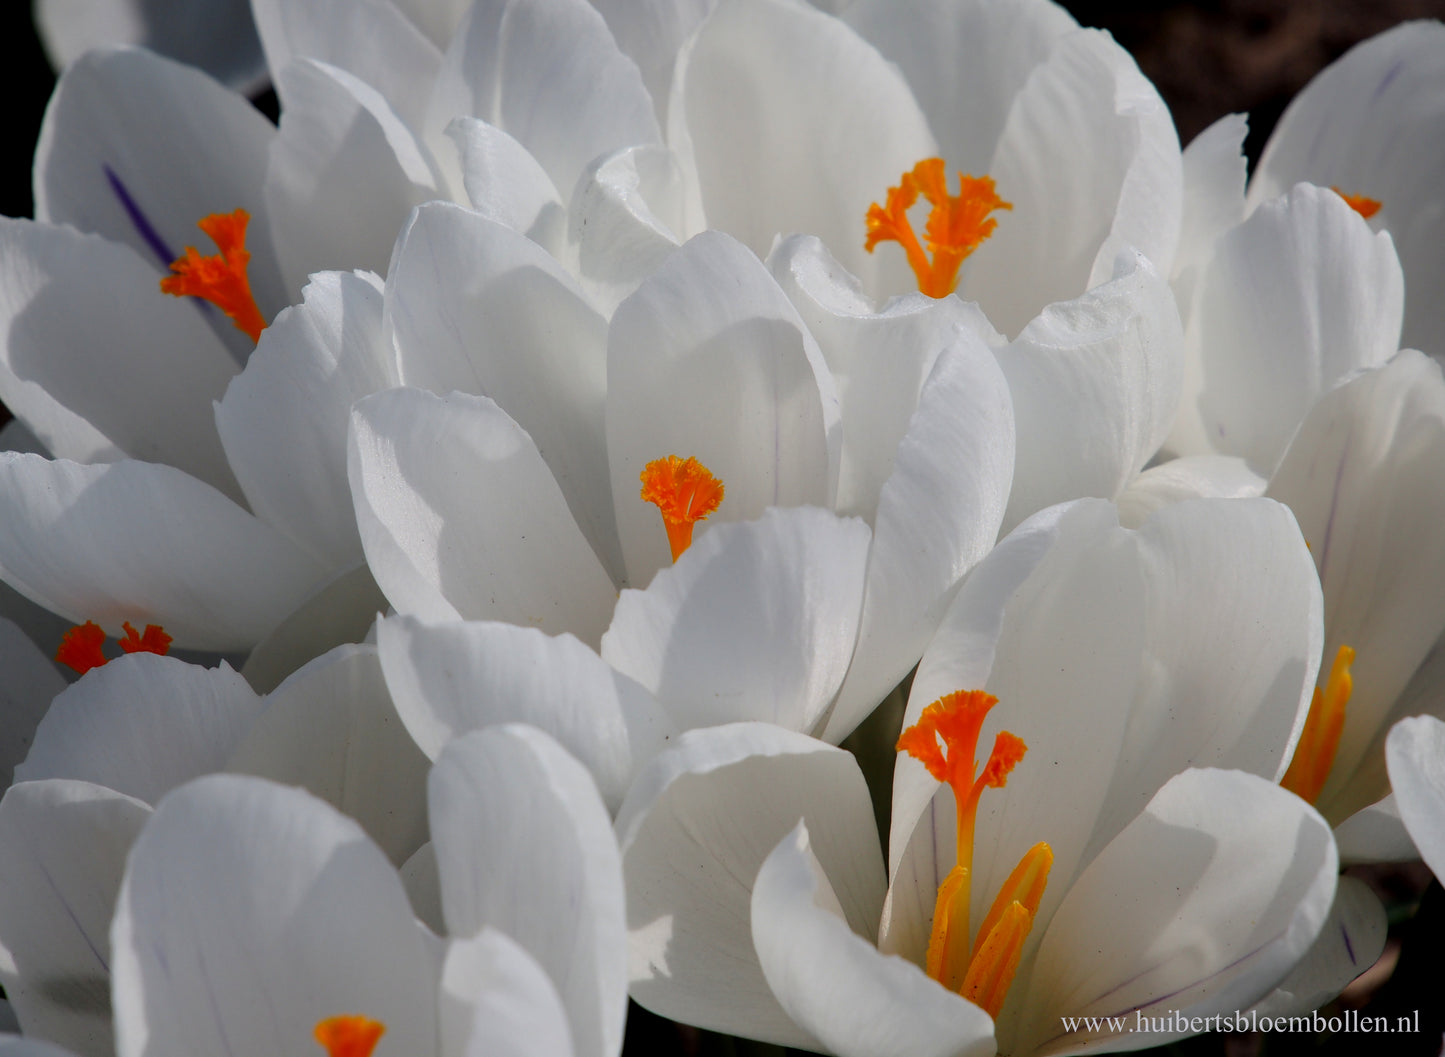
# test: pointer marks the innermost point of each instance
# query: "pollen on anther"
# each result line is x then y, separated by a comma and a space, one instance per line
221, 279
153, 640
350, 1035
685, 491
80, 647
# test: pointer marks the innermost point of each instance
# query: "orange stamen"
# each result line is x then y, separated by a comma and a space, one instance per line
992, 970
685, 491
956, 225
1366, 207
154, 640
351, 1035
982, 974
1320, 740
221, 279
80, 647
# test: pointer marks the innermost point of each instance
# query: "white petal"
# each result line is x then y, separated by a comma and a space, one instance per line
820, 124
15, 1046
1214, 176
496, 1001
249, 913
549, 74
145, 543
424, 888
938, 514
650, 32
283, 420
459, 516
836, 984
478, 308
755, 621
708, 359
99, 362
1090, 160
369, 38
1372, 124
506, 185
1203, 904
1350, 941
62, 852
342, 610
138, 148
525, 845
342, 175
964, 61
695, 828
31, 681
451, 678
1365, 476
1415, 752
625, 219
220, 38
1095, 382
1375, 834
879, 360
142, 725
1192, 477
1294, 299
438, 19
331, 728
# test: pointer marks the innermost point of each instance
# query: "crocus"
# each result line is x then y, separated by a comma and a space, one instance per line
1075, 626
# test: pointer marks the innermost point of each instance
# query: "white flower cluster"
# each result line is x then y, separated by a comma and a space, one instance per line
592, 412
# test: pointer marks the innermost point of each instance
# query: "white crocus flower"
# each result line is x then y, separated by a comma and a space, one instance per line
1122, 660
256, 919
118, 740
707, 359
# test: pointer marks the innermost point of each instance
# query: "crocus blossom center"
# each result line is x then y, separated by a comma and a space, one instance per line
685, 491
956, 226
80, 646
1366, 207
350, 1035
221, 279
1320, 740
945, 740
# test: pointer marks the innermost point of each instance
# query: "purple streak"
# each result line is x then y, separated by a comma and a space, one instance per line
142, 223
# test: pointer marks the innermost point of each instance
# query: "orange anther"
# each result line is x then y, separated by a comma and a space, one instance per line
350, 1035
956, 225
992, 971
154, 640
1320, 740
685, 491
221, 279
1366, 207
80, 647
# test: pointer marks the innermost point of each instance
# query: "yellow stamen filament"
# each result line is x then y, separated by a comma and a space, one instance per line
1366, 207
685, 491
221, 279
1315, 753
956, 225
350, 1035
992, 971
983, 973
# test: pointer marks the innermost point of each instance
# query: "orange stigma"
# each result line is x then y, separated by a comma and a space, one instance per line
1366, 207
80, 646
221, 279
1320, 740
685, 491
351, 1035
982, 971
956, 226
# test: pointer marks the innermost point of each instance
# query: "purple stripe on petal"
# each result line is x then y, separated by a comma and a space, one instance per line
142, 223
